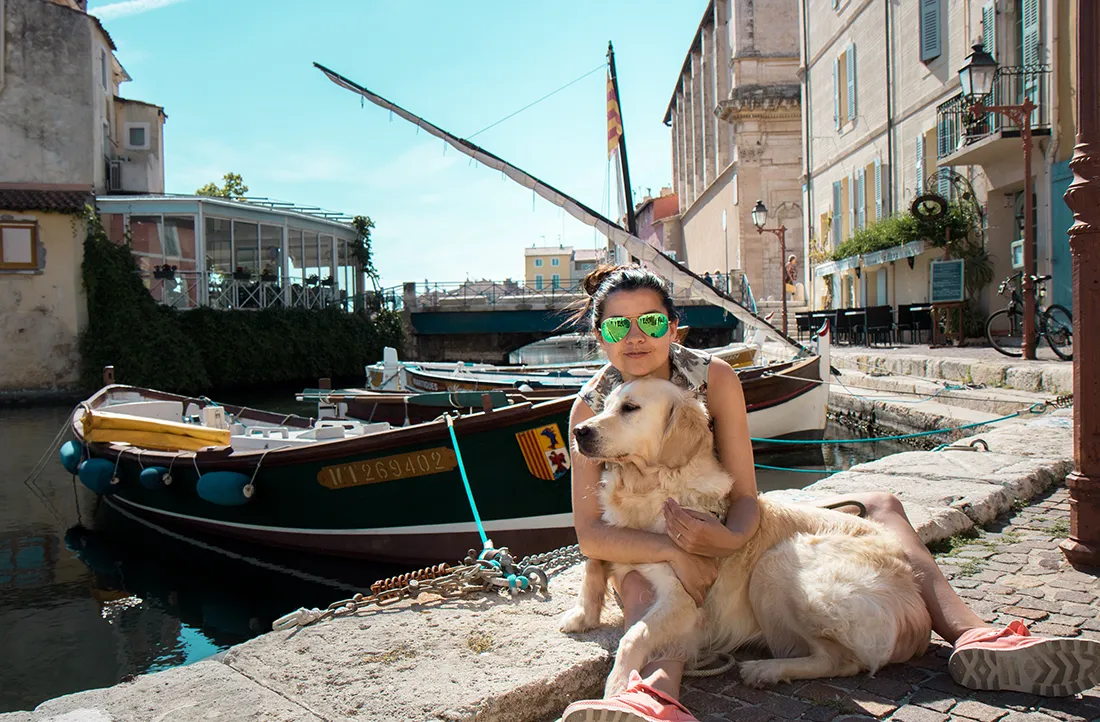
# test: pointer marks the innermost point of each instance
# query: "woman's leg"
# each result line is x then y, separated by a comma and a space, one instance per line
664, 675
950, 615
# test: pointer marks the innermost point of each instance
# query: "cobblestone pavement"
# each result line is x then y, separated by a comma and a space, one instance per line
1013, 569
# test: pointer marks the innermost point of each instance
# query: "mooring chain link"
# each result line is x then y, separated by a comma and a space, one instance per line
479, 572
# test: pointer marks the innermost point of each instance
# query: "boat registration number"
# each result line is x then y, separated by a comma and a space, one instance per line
388, 468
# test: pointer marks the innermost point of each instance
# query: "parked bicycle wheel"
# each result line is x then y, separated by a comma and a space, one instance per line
1058, 328
1005, 332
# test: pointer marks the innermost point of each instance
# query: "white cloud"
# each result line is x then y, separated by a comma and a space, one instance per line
125, 8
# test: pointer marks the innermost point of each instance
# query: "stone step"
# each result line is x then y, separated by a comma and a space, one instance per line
915, 391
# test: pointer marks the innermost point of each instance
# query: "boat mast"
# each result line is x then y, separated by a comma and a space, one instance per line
631, 221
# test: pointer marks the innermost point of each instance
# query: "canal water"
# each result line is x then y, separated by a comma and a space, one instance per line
88, 599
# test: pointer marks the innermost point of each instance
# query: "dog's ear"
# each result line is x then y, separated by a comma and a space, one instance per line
687, 434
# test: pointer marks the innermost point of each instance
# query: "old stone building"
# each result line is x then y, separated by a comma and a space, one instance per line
735, 123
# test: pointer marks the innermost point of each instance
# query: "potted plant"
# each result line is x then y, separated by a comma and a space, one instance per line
164, 272
242, 274
268, 274
328, 281
313, 280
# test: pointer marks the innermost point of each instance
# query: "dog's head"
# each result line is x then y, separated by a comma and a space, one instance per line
648, 422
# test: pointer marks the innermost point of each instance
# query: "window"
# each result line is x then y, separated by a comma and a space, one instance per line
137, 136
930, 35
538, 282
18, 247
555, 261
103, 67
555, 280
844, 87
538, 263
836, 225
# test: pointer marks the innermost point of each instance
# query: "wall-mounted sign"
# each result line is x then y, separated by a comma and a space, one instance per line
1016, 251
946, 281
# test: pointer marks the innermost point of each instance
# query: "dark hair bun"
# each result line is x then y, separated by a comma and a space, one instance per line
597, 276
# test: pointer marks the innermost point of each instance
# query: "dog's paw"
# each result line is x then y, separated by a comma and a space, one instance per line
575, 620
616, 682
760, 673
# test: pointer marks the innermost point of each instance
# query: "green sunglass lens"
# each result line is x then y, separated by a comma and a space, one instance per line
615, 329
653, 324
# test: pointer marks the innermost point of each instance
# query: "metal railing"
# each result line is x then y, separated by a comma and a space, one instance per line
957, 127
191, 289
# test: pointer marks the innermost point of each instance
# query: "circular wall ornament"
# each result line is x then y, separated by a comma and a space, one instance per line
929, 207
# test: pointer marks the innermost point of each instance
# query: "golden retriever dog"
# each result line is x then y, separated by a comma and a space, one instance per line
829, 593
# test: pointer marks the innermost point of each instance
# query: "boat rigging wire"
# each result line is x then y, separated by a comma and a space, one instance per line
601, 66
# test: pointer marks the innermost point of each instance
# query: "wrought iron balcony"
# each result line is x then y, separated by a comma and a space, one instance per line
963, 137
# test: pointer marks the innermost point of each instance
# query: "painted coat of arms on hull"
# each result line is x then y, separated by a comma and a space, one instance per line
545, 452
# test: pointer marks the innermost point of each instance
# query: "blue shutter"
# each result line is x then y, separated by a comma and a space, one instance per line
944, 185
878, 189
861, 198
930, 43
851, 82
851, 204
836, 93
836, 214
920, 163
1032, 56
989, 28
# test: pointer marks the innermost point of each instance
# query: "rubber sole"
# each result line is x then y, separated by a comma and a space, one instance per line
602, 715
1051, 668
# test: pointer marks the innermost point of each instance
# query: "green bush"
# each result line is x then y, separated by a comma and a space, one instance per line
205, 349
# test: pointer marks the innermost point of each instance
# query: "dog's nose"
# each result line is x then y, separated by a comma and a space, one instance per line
581, 432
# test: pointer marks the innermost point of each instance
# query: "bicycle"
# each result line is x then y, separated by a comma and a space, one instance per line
1005, 328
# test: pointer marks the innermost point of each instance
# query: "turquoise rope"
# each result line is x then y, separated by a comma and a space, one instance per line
1034, 408
801, 471
466, 482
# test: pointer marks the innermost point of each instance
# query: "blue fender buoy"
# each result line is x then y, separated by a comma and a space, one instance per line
71, 455
155, 477
225, 488
98, 475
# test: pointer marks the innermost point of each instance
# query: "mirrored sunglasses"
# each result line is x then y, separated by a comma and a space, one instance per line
616, 328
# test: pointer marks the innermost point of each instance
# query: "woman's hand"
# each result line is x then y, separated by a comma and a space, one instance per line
699, 533
696, 573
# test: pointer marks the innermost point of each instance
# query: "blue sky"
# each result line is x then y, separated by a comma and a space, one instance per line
236, 80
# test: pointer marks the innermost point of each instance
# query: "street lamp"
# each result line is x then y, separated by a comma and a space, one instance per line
977, 78
759, 218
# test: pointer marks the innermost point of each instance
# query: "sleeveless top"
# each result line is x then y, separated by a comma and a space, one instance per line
688, 371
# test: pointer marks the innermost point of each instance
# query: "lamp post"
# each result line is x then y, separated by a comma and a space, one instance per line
759, 218
1083, 198
977, 77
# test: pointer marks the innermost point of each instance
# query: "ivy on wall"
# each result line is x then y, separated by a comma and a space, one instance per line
204, 349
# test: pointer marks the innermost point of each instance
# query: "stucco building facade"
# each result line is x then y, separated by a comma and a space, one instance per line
65, 136
883, 113
735, 124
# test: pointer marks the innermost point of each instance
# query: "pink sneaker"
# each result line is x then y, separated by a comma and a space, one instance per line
1011, 658
639, 703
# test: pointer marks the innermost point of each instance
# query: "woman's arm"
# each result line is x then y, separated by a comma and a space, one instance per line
599, 540
701, 533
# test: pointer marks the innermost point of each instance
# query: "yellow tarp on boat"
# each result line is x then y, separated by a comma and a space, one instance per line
145, 433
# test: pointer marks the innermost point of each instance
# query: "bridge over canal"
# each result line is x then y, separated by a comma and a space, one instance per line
484, 321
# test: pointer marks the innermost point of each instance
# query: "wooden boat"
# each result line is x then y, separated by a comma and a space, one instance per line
353, 488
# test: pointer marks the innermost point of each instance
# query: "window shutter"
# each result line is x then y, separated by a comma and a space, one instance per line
944, 186
851, 82
836, 214
989, 28
861, 193
920, 163
878, 189
930, 30
836, 92
851, 204
1031, 53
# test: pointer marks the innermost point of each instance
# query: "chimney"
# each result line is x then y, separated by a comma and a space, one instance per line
666, 191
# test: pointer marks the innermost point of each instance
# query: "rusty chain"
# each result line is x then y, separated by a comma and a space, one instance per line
491, 569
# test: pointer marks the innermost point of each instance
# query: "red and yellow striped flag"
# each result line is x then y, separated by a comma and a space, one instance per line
614, 120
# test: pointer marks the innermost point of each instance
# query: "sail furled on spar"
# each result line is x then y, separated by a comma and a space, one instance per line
681, 277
